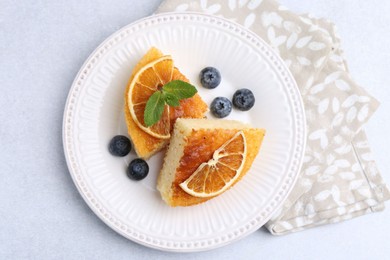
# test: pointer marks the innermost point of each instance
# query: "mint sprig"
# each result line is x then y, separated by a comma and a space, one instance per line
170, 94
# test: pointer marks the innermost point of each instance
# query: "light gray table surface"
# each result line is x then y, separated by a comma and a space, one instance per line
42, 216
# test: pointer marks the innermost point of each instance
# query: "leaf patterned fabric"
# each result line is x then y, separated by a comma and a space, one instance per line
339, 180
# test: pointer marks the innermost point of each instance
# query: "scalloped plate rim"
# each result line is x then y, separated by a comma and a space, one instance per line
88, 200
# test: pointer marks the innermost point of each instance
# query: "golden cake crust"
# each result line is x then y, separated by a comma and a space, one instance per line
199, 147
146, 145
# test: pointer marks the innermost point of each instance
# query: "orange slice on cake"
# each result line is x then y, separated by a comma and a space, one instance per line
147, 81
216, 175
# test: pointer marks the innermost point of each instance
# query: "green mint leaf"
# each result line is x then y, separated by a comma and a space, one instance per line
171, 99
179, 89
154, 108
171, 94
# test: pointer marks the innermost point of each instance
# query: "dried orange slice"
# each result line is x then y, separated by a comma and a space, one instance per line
146, 81
219, 173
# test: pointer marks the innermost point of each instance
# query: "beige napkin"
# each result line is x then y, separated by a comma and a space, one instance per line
339, 180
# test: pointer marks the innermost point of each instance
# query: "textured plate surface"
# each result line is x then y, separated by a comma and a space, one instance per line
94, 114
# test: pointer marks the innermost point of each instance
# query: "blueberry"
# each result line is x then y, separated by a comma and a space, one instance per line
221, 107
138, 169
210, 77
243, 99
119, 146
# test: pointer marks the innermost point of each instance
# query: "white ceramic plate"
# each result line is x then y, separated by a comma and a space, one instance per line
94, 114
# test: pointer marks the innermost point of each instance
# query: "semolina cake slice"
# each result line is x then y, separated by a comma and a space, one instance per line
146, 144
206, 157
